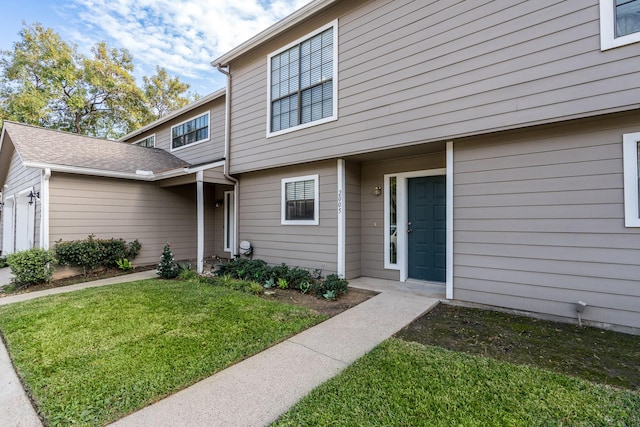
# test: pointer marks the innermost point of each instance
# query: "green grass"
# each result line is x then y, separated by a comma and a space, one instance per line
408, 384
93, 356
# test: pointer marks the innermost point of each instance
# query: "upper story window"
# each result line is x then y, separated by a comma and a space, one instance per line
300, 205
302, 82
190, 132
631, 161
149, 141
619, 23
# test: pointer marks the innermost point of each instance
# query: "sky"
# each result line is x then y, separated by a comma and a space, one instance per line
183, 36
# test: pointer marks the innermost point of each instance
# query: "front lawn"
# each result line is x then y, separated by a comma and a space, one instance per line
93, 356
408, 384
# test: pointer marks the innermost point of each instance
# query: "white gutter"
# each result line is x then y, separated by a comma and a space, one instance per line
227, 156
44, 208
140, 175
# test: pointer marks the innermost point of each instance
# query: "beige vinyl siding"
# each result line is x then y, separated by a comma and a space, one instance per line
539, 221
199, 153
412, 72
83, 205
373, 207
20, 178
306, 246
353, 206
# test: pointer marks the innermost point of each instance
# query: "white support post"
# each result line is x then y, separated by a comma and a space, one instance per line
200, 209
341, 207
449, 284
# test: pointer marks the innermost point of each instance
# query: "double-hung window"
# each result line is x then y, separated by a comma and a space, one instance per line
631, 161
149, 141
302, 82
300, 204
619, 23
190, 132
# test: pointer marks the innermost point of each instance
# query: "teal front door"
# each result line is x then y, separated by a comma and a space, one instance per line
427, 228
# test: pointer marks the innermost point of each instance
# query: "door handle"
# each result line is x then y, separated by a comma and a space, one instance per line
409, 230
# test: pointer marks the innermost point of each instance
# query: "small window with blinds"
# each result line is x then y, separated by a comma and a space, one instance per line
300, 204
302, 82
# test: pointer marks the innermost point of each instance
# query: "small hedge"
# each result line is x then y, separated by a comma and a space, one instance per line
92, 253
31, 267
282, 276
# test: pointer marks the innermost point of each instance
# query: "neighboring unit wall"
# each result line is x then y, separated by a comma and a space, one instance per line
539, 221
373, 207
307, 246
425, 71
116, 208
197, 153
20, 179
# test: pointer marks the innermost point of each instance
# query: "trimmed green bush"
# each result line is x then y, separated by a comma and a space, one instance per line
3, 262
92, 253
31, 267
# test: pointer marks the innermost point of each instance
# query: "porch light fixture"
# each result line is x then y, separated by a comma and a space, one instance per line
33, 196
377, 190
219, 202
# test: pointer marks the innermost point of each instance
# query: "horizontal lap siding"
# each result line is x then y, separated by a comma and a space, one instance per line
422, 71
204, 152
114, 208
539, 221
307, 246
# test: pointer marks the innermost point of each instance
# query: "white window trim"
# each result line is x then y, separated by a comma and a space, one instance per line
607, 28
316, 203
195, 142
630, 162
331, 118
147, 137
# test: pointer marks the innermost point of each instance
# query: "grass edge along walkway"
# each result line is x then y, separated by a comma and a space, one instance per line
403, 383
93, 356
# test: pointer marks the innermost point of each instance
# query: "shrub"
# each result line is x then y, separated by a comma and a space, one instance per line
31, 267
3, 262
242, 268
331, 287
124, 264
167, 268
92, 253
296, 276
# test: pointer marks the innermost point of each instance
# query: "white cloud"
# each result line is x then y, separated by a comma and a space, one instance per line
182, 36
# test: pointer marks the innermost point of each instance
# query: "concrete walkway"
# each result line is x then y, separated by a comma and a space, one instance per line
257, 390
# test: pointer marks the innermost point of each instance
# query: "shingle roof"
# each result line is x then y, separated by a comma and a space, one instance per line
44, 146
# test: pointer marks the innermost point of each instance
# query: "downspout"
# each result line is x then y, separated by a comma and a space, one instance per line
44, 208
227, 154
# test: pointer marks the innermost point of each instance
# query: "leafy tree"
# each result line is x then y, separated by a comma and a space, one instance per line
44, 81
163, 93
